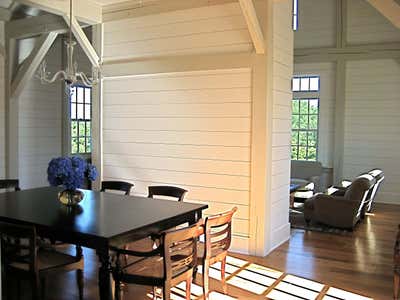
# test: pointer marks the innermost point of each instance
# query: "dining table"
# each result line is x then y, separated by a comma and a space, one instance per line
100, 221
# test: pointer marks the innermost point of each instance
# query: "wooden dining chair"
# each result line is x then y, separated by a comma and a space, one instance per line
217, 240
27, 260
116, 186
167, 191
9, 184
166, 266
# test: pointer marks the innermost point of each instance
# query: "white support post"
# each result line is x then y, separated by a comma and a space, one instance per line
253, 24
30, 65
83, 41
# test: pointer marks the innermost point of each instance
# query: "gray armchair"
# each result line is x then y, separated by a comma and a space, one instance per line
339, 211
304, 172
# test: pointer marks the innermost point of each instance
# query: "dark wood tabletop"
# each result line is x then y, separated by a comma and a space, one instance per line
100, 220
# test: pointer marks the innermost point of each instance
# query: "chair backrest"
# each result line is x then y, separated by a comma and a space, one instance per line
180, 249
379, 177
359, 188
168, 191
116, 186
9, 184
218, 232
13, 251
305, 169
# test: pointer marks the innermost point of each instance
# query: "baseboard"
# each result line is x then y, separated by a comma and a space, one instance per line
240, 245
279, 236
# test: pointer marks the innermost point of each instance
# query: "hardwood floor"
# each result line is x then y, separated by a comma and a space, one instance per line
358, 261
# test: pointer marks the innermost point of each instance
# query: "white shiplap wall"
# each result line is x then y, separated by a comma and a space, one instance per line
281, 125
209, 29
317, 24
2, 108
365, 24
326, 132
190, 129
39, 124
372, 123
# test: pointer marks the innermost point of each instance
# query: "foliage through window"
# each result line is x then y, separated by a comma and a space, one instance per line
305, 118
81, 119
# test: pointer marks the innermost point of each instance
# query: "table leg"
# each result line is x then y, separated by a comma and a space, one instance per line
195, 217
105, 289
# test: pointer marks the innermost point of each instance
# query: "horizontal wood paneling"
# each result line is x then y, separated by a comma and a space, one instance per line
189, 129
365, 25
216, 28
372, 126
317, 24
39, 124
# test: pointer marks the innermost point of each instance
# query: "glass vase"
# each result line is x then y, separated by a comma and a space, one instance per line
70, 197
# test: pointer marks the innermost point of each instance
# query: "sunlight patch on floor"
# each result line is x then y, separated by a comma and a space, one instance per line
264, 281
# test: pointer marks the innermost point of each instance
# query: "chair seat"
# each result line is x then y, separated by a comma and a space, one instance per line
148, 270
214, 252
47, 259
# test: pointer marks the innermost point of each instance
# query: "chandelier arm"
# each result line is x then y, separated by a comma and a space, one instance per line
86, 81
56, 76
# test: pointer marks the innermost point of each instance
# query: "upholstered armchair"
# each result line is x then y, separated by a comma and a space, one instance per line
339, 211
306, 172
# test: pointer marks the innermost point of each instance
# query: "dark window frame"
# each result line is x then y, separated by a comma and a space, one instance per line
87, 131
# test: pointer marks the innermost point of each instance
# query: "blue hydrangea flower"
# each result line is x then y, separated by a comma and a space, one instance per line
70, 172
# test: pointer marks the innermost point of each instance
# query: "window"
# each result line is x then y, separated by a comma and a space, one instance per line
305, 118
81, 119
295, 19
305, 84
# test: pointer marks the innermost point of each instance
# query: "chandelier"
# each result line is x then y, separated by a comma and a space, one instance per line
70, 75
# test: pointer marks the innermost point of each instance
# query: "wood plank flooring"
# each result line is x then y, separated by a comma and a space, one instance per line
358, 261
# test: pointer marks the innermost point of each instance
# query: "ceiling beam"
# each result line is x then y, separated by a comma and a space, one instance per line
388, 8
83, 41
86, 11
31, 63
250, 15
33, 26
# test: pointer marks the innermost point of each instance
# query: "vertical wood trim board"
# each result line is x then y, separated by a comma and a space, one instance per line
2, 107
189, 129
282, 72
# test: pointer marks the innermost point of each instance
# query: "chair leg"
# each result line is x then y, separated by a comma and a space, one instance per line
117, 288
206, 268
396, 286
80, 282
154, 293
188, 287
35, 283
43, 287
223, 279
167, 291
